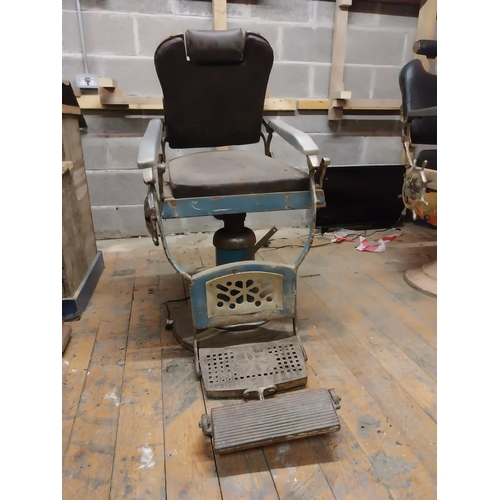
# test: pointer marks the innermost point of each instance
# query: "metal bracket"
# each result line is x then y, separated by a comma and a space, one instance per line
260, 392
206, 425
253, 250
267, 140
335, 398
320, 172
151, 215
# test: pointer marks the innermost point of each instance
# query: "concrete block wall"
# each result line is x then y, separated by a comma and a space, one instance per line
122, 35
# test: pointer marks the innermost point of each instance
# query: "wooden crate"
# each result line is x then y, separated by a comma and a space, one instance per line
81, 262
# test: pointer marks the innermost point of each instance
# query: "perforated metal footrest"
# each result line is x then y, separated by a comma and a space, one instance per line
230, 371
258, 423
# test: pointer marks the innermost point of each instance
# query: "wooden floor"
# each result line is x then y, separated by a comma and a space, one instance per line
132, 402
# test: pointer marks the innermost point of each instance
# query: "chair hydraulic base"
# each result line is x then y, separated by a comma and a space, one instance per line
263, 422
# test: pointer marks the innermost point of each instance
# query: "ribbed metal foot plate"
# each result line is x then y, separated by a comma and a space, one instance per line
257, 423
228, 371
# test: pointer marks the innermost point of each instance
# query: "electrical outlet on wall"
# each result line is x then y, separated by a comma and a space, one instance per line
87, 81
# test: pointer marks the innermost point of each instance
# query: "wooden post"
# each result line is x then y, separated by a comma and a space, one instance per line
426, 30
337, 94
426, 26
219, 12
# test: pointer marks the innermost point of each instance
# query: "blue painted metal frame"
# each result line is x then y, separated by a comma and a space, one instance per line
219, 205
199, 301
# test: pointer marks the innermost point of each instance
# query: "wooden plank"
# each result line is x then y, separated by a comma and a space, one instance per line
156, 103
127, 100
71, 110
66, 165
66, 334
391, 455
404, 317
348, 342
76, 358
338, 57
189, 459
139, 466
389, 274
368, 105
410, 332
279, 104
108, 83
219, 13
341, 94
328, 466
78, 239
323, 104
373, 104
350, 475
426, 26
133, 102
172, 287
88, 461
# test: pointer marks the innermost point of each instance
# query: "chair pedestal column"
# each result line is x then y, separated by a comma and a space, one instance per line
234, 241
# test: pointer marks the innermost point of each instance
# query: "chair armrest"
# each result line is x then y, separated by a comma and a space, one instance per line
427, 48
150, 146
423, 112
296, 138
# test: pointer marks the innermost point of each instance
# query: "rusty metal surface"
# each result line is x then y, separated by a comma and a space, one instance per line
244, 293
230, 371
256, 423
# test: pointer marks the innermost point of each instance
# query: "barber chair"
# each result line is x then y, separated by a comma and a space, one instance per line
243, 325
419, 127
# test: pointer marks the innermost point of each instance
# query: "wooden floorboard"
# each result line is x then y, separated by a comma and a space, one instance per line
132, 400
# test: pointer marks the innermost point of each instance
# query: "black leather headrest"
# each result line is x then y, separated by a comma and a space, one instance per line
215, 47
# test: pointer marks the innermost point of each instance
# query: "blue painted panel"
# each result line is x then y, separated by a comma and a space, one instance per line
73, 308
196, 207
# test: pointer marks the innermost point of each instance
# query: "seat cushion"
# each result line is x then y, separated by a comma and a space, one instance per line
225, 173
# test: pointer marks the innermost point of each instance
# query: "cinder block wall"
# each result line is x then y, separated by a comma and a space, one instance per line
122, 35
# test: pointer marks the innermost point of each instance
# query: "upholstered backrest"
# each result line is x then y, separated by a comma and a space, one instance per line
214, 85
419, 90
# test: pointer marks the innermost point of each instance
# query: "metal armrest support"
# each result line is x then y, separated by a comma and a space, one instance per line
150, 146
296, 138
303, 143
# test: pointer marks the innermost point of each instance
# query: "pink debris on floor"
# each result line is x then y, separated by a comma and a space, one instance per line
366, 246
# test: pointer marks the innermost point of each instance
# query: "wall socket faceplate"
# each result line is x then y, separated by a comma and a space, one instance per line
87, 81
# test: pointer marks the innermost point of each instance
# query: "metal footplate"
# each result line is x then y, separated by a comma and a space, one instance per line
258, 423
229, 372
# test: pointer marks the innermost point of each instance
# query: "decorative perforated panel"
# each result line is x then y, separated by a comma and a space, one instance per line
244, 293
228, 371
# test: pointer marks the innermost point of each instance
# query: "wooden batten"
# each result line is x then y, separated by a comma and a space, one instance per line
219, 12
426, 27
